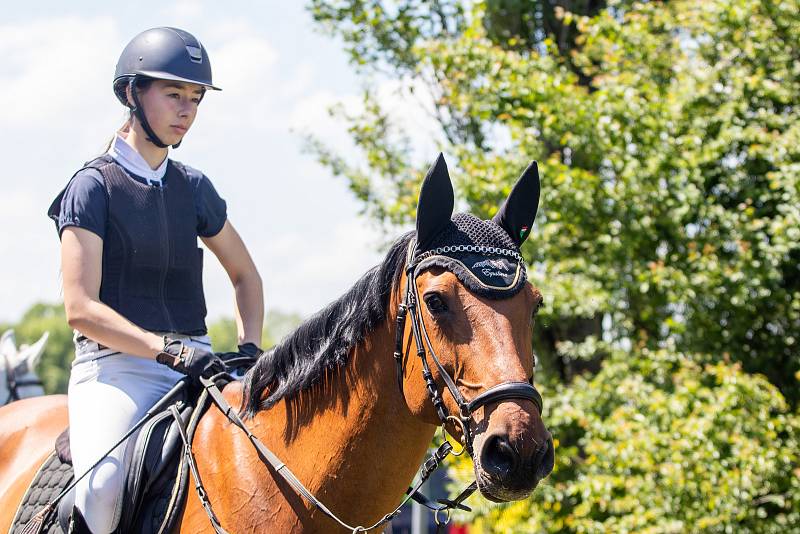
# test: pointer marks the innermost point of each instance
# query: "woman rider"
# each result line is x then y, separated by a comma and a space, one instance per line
132, 272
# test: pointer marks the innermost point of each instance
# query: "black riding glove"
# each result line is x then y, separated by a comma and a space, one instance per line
190, 361
243, 358
251, 350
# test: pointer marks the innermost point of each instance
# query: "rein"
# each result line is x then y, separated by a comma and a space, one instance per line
12, 383
498, 392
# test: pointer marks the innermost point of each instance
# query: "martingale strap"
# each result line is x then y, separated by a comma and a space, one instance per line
188, 454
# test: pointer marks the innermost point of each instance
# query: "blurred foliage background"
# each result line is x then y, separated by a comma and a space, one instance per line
667, 243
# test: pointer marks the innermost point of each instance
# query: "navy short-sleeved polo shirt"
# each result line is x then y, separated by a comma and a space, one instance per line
212, 211
84, 203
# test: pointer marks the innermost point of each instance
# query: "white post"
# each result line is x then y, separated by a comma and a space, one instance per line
419, 514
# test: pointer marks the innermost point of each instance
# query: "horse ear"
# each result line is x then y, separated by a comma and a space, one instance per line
517, 213
435, 206
8, 344
33, 354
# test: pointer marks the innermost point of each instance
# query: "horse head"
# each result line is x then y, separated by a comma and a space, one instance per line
453, 301
465, 356
18, 367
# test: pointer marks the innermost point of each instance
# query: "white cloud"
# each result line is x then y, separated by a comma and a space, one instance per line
311, 116
302, 272
409, 104
55, 86
244, 64
184, 11
48, 66
406, 102
317, 276
29, 264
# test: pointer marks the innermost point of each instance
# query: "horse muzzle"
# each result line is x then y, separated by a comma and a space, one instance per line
509, 465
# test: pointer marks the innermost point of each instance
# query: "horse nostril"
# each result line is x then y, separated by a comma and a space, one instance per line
499, 458
544, 459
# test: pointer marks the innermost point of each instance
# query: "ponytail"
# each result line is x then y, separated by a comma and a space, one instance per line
120, 88
125, 128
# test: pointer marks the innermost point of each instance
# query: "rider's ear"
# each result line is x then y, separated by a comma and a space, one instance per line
435, 206
518, 211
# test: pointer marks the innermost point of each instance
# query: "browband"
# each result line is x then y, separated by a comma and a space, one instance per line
492, 272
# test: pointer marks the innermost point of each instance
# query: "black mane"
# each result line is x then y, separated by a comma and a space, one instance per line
323, 342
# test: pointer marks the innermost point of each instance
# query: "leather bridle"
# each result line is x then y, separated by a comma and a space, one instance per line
496, 393
12, 383
441, 508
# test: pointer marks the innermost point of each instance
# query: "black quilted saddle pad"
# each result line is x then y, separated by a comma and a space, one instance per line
52, 477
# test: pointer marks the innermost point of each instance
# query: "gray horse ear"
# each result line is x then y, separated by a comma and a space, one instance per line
517, 213
435, 206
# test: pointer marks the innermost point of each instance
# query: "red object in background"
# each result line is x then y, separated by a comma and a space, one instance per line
458, 529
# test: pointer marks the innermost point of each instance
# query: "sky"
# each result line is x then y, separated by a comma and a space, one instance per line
279, 76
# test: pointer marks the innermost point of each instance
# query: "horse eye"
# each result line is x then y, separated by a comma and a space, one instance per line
435, 303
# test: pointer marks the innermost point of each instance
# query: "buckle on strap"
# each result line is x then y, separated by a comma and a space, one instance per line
505, 391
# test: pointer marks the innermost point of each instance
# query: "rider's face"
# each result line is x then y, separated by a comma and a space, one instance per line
171, 108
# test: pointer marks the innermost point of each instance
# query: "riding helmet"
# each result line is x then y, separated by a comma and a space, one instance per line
163, 54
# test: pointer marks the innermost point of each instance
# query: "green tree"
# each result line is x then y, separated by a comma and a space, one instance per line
667, 138
665, 444
276, 325
670, 183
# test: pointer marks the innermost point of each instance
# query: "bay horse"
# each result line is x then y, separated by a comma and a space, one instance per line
351, 421
18, 368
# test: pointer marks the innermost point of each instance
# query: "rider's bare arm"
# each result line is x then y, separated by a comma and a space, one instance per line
81, 268
234, 257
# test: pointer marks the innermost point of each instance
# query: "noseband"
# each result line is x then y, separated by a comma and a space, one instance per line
12, 383
496, 393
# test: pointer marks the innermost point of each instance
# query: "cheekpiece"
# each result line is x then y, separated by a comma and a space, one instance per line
480, 253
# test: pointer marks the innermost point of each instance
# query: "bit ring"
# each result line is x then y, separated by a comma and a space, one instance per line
463, 439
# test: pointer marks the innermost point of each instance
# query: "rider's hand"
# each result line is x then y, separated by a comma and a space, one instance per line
245, 351
191, 361
243, 358
250, 349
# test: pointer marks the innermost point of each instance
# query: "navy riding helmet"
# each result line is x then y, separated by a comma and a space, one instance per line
163, 54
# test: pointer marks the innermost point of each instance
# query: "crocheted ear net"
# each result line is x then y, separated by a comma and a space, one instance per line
480, 253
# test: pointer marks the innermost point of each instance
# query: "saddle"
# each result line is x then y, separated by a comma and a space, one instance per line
156, 482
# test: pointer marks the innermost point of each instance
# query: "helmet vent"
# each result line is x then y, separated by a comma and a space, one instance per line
195, 53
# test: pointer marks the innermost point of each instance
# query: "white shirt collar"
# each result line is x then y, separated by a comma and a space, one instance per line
134, 163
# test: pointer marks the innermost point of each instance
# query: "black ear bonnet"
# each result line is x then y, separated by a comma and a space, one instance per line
480, 253
484, 255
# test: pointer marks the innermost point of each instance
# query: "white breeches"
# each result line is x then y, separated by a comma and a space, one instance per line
108, 393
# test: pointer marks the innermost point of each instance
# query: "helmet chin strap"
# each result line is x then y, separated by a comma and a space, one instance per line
138, 111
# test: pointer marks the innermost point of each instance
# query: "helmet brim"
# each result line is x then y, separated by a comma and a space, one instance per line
167, 76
